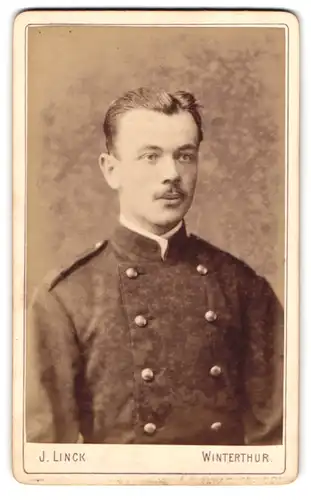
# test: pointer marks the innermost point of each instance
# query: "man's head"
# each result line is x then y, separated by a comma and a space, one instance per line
152, 140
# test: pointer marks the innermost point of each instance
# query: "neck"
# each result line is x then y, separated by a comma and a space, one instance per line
146, 226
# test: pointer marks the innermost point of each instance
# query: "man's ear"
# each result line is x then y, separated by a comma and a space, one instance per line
109, 167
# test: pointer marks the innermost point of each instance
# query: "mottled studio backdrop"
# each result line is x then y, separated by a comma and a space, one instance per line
238, 75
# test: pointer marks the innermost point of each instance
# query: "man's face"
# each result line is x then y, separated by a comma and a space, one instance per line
156, 167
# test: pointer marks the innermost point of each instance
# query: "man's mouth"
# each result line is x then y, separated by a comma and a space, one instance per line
172, 196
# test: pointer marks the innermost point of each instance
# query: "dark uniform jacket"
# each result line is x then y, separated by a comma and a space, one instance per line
124, 347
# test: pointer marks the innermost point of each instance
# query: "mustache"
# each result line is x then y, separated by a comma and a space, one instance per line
173, 189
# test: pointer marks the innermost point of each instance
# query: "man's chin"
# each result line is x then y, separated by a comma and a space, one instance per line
173, 213
167, 223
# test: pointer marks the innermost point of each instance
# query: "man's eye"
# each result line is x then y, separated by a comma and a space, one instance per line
186, 157
151, 157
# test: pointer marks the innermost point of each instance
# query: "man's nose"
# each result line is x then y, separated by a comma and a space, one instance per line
169, 169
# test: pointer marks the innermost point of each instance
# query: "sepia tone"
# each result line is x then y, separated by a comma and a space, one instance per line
238, 77
246, 197
101, 304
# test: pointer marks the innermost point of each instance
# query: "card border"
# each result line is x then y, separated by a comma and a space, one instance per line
39, 18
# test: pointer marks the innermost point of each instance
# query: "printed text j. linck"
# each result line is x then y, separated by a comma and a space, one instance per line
61, 456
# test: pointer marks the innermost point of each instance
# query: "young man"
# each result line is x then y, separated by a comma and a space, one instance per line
155, 336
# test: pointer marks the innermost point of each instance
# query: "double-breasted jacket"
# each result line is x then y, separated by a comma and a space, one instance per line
125, 347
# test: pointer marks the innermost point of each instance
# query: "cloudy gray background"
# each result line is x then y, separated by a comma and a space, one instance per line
238, 75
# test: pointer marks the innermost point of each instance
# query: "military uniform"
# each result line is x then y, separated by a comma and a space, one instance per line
125, 347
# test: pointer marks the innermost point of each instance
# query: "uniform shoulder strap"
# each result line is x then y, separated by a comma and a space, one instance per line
54, 278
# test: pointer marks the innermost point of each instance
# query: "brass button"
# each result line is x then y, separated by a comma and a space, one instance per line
216, 426
150, 428
147, 374
210, 316
131, 273
215, 371
140, 321
202, 269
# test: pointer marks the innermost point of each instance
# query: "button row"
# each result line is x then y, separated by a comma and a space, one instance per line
132, 273
147, 374
150, 428
141, 321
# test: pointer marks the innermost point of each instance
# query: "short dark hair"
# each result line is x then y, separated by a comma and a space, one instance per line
152, 99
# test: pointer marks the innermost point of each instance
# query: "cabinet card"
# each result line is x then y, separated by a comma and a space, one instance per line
156, 247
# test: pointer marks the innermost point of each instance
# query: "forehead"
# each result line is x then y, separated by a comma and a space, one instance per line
141, 127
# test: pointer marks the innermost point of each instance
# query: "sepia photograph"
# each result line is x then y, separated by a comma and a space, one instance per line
156, 247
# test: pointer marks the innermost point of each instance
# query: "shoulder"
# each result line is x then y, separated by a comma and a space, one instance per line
233, 271
223, 262
81, 261
216, 255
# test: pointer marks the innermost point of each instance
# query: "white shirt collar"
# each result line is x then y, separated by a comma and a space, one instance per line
161, 240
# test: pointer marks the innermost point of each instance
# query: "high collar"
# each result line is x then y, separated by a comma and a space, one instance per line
162, 240
131, 245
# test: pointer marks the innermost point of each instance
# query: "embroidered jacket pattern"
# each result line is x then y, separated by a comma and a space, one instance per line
123, 347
